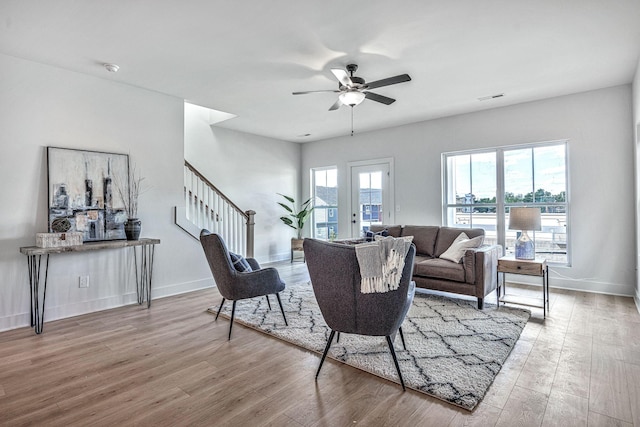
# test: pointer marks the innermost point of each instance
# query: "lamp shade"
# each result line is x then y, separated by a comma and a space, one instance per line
524, 219
352, 97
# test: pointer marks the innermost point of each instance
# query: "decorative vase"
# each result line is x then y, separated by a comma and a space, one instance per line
132, 228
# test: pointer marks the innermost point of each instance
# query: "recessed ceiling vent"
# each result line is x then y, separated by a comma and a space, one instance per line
486, 98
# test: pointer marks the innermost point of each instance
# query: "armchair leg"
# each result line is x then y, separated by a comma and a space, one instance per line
338, 339
218, 313
326, 350
395, 360
268, 302
402, 338
233, 312
480, 303
281, 309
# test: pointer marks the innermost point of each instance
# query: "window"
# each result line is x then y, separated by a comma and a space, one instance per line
480, 187
324, 191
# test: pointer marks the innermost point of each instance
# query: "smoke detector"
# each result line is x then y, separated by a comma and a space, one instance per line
112, 68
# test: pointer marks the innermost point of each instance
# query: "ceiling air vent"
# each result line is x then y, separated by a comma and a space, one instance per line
486, 98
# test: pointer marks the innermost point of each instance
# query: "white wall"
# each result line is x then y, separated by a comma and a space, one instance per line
250, 170
597, 125
44, 106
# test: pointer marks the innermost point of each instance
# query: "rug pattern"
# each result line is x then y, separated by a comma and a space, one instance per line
454, 351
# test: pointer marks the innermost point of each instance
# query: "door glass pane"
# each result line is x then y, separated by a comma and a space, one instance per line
370, 200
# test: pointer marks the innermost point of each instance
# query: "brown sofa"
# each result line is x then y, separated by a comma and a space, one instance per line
475, 275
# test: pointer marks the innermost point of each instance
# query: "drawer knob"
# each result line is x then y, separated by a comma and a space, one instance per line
518, 267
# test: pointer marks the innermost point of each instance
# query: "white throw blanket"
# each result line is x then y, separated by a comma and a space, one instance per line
381, 263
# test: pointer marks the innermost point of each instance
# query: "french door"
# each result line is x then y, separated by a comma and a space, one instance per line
371, 198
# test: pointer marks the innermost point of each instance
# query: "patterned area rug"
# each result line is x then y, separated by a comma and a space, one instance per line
454, 350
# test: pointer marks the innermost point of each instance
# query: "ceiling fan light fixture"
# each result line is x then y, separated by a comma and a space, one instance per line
352, 97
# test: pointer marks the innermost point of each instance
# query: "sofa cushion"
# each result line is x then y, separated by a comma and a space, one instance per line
369, 235
392, 230
447, 235
460, 246
424, 237
439, 269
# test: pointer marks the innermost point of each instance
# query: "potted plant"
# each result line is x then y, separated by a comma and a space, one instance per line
133, 225
296, 219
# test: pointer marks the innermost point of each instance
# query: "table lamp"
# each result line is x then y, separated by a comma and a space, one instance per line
525, 219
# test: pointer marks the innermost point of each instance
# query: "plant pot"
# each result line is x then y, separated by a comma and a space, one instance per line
132, 228
296, 244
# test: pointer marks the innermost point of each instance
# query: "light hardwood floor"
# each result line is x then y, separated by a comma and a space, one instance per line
172, 365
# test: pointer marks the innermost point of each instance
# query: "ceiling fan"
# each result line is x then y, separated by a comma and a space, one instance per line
353, 90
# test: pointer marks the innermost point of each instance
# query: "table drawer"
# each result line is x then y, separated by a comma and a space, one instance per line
521, 267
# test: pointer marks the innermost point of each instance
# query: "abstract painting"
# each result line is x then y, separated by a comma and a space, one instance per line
85, 190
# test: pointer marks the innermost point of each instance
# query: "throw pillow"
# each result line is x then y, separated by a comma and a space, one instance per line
239, 263
459, 246
369, 236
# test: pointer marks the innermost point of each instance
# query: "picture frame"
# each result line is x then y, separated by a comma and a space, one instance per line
85, 191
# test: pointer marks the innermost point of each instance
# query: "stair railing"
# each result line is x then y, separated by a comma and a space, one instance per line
207, 207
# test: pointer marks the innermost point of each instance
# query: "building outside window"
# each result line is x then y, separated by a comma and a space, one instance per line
324, 192
481, 186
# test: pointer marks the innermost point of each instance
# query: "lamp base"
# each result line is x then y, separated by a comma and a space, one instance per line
525, 249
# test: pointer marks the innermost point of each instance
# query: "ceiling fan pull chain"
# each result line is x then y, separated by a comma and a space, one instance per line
352, 120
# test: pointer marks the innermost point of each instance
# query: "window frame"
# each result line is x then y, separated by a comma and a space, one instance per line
501, 205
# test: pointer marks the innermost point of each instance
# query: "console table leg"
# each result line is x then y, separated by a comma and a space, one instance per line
145, 274
34, 263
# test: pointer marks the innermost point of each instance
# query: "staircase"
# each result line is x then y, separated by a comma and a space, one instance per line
207, 207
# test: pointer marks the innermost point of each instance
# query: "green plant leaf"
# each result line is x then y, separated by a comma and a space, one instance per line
286, 207
288, 198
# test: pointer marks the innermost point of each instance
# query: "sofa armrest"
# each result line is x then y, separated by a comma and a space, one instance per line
481, 268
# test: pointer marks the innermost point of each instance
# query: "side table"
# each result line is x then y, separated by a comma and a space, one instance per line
535, 267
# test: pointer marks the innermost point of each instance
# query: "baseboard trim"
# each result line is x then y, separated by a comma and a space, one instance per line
574, 284
76, 309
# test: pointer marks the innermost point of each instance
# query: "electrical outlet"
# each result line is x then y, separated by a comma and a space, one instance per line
84, 281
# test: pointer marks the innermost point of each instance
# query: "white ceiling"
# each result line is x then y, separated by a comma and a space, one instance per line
246, 57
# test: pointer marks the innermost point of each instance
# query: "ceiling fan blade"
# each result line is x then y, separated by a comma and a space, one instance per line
379, 98
314, 91
342, 76
389, 81
336, 105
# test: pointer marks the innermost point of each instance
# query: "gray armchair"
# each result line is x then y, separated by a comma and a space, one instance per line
234, 285
335, 277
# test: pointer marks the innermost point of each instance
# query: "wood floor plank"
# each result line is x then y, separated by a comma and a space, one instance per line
566, 410
608, 393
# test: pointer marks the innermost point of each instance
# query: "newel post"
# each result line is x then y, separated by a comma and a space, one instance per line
250, 239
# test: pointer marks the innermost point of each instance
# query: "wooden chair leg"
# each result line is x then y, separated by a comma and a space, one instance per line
218, 313
326, 350
395, 361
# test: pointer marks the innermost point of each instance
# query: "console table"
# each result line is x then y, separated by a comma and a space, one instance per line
143, 270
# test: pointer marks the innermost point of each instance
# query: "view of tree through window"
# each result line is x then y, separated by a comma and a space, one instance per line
482, 186
324, 191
